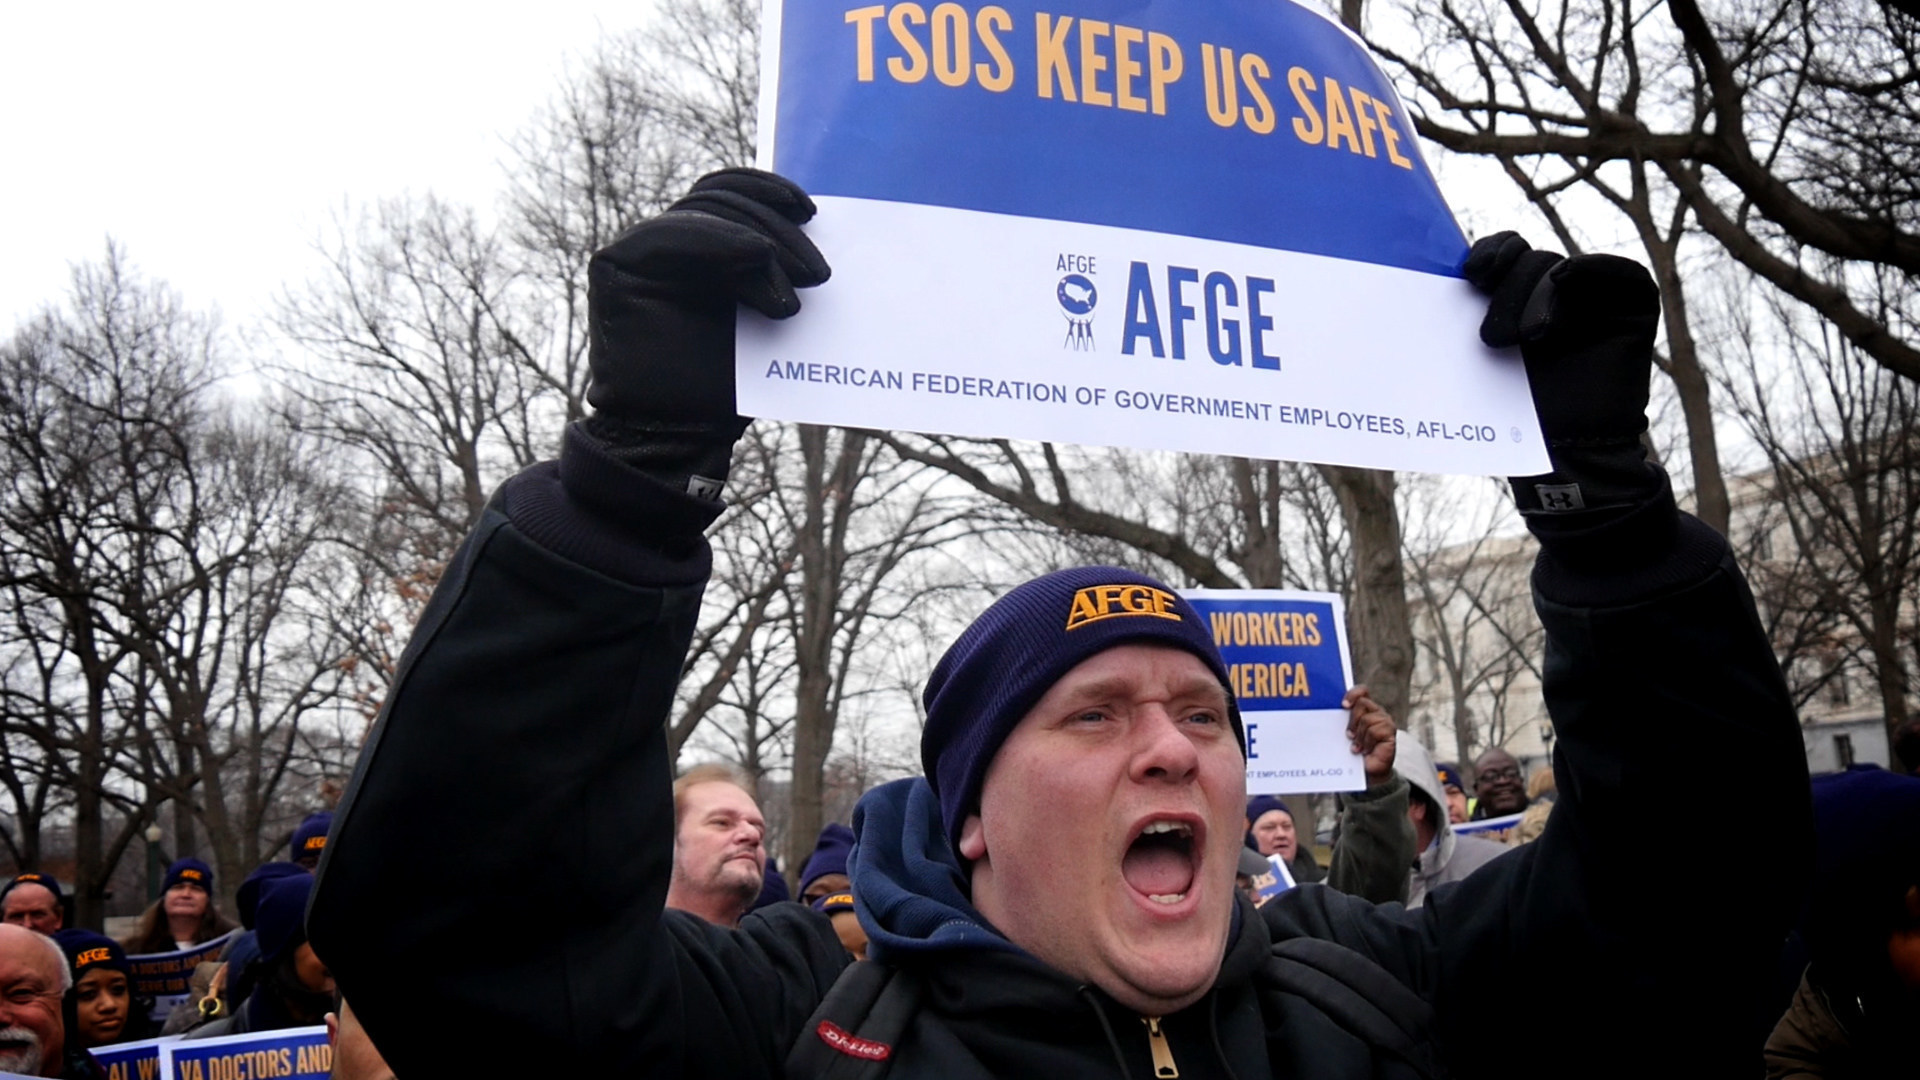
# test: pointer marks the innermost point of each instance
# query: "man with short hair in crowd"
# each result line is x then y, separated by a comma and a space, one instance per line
33, 900
718, 850
1444, 855
1499, 788
34, 977
1458, 810
1055, 897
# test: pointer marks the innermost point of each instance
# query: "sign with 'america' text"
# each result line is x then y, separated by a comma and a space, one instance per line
1157, 223
1286, 655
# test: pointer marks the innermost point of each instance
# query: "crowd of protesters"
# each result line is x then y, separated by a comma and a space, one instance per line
68, 991
1057, 893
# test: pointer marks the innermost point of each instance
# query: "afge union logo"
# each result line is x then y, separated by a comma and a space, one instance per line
1097, 602
1077, 296
92, 956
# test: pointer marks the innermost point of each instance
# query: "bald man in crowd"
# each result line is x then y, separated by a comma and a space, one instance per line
718, 853
33, 978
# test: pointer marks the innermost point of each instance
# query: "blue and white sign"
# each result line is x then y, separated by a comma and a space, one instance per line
290, 1052
1286, 654
1160, 224
138, 1060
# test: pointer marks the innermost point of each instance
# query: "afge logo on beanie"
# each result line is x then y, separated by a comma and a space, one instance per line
314, 843
191, 874
92, 956
1097, 602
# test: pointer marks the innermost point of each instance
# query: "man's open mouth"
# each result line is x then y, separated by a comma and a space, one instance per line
1160, 862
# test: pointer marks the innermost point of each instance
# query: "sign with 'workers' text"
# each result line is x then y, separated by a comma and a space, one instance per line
1159, 224
1286, 654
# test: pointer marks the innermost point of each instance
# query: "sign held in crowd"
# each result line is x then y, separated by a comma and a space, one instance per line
288, 1052
1164, 225
1287, 655
164, 976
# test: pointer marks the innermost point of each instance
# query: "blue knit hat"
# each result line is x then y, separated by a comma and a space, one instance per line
1258, 807
189, 871
87, 950
829, 854
1003, 664
833, 903
310, 839
247, 898
45, 881
280, 919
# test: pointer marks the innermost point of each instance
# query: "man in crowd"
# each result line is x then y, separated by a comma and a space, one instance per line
33, 978
1444, 855
309, 840
33, 900
826, 870
1498, 787
1055, 896
718, 857
1458, 812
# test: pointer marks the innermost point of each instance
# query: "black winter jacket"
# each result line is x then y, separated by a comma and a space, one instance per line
491, 900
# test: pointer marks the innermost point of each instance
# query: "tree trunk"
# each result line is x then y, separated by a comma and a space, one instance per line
813, 720
1378, 624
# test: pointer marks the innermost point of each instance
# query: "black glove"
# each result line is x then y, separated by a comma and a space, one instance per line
1585, 327
661, 304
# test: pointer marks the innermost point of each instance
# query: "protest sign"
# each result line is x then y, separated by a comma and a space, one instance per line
164, 976
1156, 224
132, 1060
1273, 882
1286, 654
1497, 829
284, 1053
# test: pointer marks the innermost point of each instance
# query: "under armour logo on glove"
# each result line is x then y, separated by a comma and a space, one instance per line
1559, 498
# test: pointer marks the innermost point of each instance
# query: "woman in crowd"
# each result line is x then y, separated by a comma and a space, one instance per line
101, 1007
290, 986
183, 917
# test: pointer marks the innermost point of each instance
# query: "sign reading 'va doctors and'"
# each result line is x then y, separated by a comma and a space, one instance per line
1158, 224
1286, 654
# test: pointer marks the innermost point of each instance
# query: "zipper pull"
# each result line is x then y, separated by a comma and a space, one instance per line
1163, 1066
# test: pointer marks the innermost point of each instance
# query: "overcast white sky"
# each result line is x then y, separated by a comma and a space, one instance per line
214, 139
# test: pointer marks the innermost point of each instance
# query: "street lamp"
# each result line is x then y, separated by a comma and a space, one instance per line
153, 863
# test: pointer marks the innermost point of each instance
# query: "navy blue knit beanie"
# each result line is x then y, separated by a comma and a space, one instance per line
45, 881
1003, 664
310, 839
280, 919
87, 950
829, 854
189, 871
247, 897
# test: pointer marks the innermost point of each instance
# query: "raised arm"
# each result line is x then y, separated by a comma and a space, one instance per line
491, 899
1647, 916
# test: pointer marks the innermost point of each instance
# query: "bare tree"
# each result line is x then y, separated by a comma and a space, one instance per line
1840, 434
1474, 625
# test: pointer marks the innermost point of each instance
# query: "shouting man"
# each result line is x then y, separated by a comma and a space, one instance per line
1055, 896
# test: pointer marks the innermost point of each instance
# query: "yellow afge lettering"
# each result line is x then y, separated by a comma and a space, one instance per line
946, 50
1351, 117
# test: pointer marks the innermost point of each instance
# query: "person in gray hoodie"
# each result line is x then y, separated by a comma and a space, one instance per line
1444, 855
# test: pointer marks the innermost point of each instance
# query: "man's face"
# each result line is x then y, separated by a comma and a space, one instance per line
718, 848
1109, 823
31, 1036
1498, 784
34, 907
1274, 833
1456, 805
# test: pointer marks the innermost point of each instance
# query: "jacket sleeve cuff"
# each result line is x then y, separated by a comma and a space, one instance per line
602, 513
